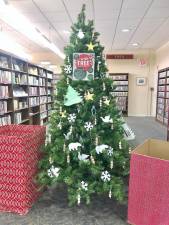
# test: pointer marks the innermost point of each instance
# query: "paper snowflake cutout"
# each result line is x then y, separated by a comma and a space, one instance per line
53, 172
84, 185
88, 126
72, 118
68, 69
105, 176
80, 34
110, 151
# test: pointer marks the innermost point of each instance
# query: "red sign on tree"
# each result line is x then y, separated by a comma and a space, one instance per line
83, 66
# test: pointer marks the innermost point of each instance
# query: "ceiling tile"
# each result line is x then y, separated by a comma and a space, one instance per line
50, 5
157, 13
135, 4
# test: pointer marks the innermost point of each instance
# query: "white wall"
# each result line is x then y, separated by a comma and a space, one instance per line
139, 96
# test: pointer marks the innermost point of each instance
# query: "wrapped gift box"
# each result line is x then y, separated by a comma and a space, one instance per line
19, 155
149, 184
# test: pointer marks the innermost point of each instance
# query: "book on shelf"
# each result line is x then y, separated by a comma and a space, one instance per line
49, 84
119, 77
42, 91
5, 77
33, 80
20, 104
42, 82
49, 98
121, 88
4, 62
18, 117
19, 78
33, 101
33, 91
33, 70
43, 108
3, 107
5, 120
19, 92
42, 72
114, 94
124, 82
49, 106
4, 92
43, 99
49, 92
18, 65
49, 75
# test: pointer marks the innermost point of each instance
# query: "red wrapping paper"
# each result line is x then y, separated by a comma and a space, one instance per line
148, 191
19, 155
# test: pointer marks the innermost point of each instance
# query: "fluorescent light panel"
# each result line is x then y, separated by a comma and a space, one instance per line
7, 44
20, 23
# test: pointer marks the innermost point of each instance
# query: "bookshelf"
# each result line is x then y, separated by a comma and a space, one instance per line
163, 96
26, 91
121, 91
168, 127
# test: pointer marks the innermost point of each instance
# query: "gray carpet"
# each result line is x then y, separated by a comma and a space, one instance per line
52, 208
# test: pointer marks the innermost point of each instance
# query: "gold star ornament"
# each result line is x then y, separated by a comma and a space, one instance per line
90, 46
88, 96
106, 101
63, 114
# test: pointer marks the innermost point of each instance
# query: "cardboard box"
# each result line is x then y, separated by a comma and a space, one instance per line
149, 184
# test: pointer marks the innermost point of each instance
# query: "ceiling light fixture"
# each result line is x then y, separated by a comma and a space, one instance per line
125, 30
7, 44
135, 44
20, 23
45, 62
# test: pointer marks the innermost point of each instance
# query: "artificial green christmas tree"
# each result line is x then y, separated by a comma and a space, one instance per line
87, 151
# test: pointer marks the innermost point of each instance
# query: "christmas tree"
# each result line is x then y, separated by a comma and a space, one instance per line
87, 151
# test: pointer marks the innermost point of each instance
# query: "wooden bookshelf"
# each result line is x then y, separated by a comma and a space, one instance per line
121, 91
23, 88
163, 96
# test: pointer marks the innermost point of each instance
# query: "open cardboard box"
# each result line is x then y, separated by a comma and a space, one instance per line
149, 184
153, 148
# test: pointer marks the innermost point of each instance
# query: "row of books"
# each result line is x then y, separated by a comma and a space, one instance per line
163, 88
49, 98
4, 61
19, 78
33, 70
162, 74
19, 65
119, 77
43, 99
49, 75
33, 80
4, 92
33, 101
5, 120
33, 91
49, 91
120, 82
43, 107
114, 94
18, 118
161, 81
121, 88
5, 77
42, 91
3, 107
42, 82
20, 104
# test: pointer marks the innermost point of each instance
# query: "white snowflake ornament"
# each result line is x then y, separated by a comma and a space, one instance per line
80, 34
84, 185
53, 172
72, 117
68, 69
105, 176
120, 145
88, 126
110, 151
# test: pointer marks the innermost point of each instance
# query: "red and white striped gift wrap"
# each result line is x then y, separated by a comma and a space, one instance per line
19, 155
